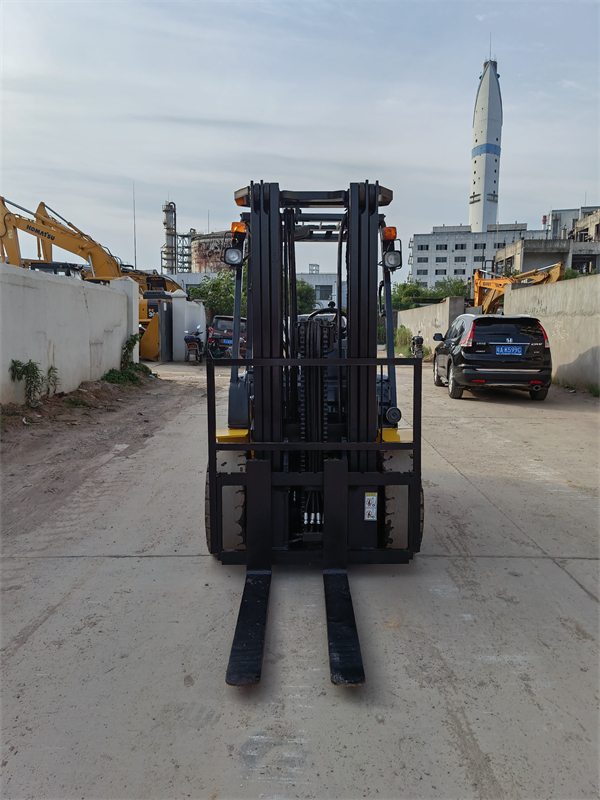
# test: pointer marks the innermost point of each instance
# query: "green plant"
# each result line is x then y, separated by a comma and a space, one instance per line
52, 380
306, 296
75, 402
130, 375
411, 295
381, 337
565, 384
32, 375
128, 348
570, 274
402, 337
218, 293
593, 389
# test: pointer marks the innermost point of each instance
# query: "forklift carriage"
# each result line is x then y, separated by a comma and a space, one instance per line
312, 468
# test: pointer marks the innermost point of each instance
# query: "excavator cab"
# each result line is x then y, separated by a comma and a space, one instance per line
312, 467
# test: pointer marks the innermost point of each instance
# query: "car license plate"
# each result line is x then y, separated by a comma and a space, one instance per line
508, 350
230, 341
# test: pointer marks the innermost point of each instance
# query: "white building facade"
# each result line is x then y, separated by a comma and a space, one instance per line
454, 251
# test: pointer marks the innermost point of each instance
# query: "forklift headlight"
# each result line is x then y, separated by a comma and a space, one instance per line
392, 259
233, 256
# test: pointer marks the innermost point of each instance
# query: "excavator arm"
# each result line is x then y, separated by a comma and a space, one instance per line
488, 292
50, 232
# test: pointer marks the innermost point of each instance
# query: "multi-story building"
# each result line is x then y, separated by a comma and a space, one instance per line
325, 284
454, 251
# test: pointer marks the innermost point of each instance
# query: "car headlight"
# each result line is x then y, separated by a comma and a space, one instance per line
233, 256
392, 259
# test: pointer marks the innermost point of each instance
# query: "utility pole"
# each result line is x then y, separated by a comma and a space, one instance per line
134, 232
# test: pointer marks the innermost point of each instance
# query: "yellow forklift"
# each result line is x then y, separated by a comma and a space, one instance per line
312, 468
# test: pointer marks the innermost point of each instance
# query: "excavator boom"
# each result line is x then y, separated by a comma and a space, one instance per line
488, 292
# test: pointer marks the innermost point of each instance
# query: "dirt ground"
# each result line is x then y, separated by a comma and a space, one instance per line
47, 452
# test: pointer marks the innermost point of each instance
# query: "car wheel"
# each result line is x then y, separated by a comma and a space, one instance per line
436, 375
540, 394
454, 391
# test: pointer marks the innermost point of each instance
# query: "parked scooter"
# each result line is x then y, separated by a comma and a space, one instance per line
193, 346
416, 346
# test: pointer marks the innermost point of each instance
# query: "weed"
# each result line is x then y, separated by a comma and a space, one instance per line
593, 389
32, 375
563, 383
129, 375
402, 337
52, 380
75, 402
128, 348
35, 380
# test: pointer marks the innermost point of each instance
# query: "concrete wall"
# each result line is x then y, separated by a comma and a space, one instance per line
78, 327
432, 319
570, 314
186, 316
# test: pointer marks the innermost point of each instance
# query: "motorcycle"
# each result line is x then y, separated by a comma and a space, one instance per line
416, 346
193, 346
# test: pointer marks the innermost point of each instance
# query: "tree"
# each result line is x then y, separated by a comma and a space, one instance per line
570, 274
410, 295
450, 287
306, 296
218, 293
406, 295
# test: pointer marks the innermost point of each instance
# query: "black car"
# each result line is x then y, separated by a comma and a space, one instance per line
493, 351
220, 337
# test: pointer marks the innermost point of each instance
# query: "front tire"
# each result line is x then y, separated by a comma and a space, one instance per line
540, 394
437, 381
455, 391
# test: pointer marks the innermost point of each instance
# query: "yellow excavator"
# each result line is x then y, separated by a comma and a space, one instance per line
103, 266
489, 292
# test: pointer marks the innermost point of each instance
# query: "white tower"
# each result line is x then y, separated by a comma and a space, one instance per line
485, 156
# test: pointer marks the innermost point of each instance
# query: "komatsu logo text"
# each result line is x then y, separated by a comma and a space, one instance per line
38, 232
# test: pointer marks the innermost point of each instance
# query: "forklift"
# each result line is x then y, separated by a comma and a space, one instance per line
312, 467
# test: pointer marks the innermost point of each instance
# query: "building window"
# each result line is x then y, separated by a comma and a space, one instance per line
479, 258
440, 272
441, 247
313, 269
499, 245
422, 247
422, 259
324, 292
441, 260
480, 246
421, 272
460, 259
459, 272
460, 246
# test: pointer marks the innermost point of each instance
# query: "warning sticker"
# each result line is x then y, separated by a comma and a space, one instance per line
371, 506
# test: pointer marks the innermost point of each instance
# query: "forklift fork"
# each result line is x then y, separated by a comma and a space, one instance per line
345, 659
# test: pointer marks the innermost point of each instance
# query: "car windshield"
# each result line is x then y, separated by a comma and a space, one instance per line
221, 324
489, 329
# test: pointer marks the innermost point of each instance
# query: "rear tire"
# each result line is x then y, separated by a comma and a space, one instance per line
540, 394
437, 381
455, 392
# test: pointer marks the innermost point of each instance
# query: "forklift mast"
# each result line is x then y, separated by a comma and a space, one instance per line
312, 468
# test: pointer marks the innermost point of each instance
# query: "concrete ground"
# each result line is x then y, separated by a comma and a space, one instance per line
481, 655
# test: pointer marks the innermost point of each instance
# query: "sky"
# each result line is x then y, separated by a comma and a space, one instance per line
191, 100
